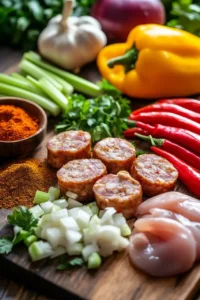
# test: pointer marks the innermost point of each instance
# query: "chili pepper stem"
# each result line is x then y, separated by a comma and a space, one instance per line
149, 138
128, 60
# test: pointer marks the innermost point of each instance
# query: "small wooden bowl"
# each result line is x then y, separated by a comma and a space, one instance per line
27, 145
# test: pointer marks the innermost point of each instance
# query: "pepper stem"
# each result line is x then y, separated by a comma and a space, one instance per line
66, 12
128, 60
149, 138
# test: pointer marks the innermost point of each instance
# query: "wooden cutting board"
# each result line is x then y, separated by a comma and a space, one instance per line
117, 279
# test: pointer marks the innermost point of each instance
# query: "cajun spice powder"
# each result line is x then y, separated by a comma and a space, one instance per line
20, 180
16, 123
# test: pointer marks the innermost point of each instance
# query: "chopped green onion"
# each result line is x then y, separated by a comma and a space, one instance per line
94, 261
41, 197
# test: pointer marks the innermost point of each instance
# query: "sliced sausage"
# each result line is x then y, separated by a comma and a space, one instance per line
67, 146
120, 191
79, 176
156, 174
117, 154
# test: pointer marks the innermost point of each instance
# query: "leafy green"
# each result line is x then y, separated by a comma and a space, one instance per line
102, 117
74, 262
140, 152
109, 89
185, 14
21, 21
23, 218
6, 245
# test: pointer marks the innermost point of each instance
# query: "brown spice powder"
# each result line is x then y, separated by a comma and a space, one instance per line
20, 180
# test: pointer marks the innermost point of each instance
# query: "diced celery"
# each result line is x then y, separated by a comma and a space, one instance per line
46, 206
54, 192
95, 210
62, 203
72, 195
125, 230
38, 231
36, 211
58, 251
92, 204
41, 197
69, 223
75, 249
94, 261
30, 239
88, 250
39, 250
73, 203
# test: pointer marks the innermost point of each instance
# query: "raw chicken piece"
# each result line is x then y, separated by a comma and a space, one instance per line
176, 202
162, 247
194, 227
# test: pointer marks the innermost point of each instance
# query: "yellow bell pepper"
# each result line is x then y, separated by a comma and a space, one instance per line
155, 62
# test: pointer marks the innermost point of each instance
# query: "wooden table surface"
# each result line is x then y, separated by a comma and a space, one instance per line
10, 288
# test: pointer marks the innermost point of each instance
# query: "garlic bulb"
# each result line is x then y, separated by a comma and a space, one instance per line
71, 42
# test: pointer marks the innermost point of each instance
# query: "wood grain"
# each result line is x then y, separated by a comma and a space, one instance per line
115, 280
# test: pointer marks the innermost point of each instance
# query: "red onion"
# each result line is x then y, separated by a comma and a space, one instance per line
118, 17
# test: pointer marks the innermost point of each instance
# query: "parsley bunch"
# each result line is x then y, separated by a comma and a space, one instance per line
102, 117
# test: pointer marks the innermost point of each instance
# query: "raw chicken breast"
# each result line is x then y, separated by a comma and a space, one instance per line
176, 202
162, 247
194, 227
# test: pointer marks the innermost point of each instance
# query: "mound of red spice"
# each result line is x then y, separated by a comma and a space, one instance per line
16, 123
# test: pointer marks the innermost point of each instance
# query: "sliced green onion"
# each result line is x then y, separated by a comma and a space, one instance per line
94, 261
41, 197
53, 92
80, 84
48, 105
30, 239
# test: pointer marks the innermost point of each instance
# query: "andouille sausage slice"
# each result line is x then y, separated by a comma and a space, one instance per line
120, 191
67, 146
156, 174
79, 176
117, 154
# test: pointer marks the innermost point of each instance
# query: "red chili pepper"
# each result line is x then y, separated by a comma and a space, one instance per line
173, 108
191, 104
169, 119
187, 174
182, 153
180, 136
130, 132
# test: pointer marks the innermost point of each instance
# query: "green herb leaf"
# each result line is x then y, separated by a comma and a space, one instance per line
23, 218
102, 117
109, 89
66, 265
140, 152
6, 245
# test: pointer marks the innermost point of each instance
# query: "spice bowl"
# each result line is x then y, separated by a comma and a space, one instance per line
24, 146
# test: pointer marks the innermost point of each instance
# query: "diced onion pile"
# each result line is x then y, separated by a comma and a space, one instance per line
68, 226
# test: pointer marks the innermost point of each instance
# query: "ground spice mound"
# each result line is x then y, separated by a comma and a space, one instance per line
16, 123
20, 180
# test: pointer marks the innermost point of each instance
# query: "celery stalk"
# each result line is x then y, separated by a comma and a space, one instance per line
38, 73
22, 84
41, 197
8, 90
18, 76
94, 261
53, 93
67, 87
80, 84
